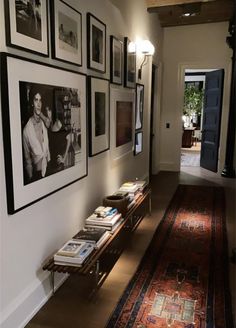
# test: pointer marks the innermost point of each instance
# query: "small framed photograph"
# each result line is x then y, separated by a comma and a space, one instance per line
44, 130
96, 43
139, 106
116, 60
129, 63
66, 32
99, 118
27, 25
122, 103
138, 146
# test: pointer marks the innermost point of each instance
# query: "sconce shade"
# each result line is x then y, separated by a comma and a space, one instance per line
146, 47
131, 47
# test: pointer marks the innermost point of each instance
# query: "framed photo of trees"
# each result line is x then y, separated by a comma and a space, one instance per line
116, 60
129, 64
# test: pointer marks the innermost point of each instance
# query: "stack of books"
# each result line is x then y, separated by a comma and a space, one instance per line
133, 189
73, 253
104, 217
96, 236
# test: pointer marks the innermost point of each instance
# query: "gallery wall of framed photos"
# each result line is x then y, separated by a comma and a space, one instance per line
87, 153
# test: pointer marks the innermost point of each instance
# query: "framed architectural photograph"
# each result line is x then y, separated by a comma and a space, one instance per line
139, 106
96, 43
122, 103
99, 124
45, 119
138, 143
66, 32
129, 64
116, 60
27, 25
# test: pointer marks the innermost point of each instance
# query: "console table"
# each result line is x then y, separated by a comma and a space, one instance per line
101, 260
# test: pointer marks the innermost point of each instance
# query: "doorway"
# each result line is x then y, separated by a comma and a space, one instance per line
192, 118
201, 118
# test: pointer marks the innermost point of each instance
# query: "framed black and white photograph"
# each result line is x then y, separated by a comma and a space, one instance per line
122, 103
129, 63
45, 119
27, 25
96, 43
138, 142
99, 139
66, 32
116, 60
139, 106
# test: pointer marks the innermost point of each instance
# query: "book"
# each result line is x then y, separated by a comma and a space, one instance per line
106, 221
71, 248
110, 229
91, 235
79, 258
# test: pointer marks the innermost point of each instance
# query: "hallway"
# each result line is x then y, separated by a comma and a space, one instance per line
70, 306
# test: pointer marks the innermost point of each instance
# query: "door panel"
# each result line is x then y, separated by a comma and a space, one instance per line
211, 120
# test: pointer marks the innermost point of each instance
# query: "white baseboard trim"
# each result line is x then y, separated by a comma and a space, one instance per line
28, 303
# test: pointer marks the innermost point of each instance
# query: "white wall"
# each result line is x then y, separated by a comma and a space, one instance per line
190, 47
31, 235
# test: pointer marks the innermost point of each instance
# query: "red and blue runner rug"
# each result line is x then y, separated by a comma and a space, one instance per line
182, 280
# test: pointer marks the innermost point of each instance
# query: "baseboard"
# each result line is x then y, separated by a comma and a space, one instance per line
29, 302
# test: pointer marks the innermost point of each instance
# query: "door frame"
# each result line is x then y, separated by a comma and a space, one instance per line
201, 66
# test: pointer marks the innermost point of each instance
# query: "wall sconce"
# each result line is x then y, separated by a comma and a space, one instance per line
146, 48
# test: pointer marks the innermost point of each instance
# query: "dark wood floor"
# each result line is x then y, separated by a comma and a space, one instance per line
71, 307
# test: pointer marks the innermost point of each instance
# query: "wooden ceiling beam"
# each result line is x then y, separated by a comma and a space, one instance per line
163, 3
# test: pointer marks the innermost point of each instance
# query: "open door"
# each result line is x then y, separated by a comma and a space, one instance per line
211, 119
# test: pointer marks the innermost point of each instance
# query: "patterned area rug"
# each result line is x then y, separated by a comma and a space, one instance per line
182, 280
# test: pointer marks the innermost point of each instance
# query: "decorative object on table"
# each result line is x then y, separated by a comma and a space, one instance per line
54, 101
183, 276
99, 118
71, 248
122, 121
129, 63
138, 142
66, 32
96, 44
76, 260
27, 25
117, 201
139, 105
116, 60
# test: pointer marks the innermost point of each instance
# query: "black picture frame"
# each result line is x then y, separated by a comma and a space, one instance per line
129, 64
62, 94
27, 26
139, 106
138, 143
66, 32
96, 44
99, 115
116, 60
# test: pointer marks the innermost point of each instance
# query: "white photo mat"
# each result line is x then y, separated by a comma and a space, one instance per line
21, 70
21, 40
63, 50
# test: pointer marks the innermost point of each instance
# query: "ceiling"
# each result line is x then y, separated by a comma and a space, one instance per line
187, 12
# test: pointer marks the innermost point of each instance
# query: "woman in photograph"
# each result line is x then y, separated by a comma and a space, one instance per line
35, 139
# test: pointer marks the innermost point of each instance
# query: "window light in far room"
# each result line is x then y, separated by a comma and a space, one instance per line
146, 48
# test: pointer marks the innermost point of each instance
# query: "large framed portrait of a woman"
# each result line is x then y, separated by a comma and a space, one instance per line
27, 25
45, 138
